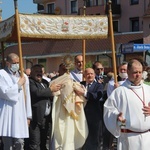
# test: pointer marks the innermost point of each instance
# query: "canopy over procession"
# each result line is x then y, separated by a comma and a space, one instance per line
44, 27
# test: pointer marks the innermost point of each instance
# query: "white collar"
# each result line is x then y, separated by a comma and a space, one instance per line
131, 85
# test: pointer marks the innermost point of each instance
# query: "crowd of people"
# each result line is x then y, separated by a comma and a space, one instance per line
75, 109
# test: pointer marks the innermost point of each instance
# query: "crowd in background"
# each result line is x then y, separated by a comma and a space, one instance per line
45, 130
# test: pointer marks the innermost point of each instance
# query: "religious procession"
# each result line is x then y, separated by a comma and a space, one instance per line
81, 104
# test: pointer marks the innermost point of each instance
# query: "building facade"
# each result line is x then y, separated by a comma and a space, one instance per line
129, 23
127, 14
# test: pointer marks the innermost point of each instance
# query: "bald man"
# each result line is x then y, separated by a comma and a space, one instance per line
15, 105
93, 93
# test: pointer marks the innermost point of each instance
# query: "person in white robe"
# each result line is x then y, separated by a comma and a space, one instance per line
15, 105
69, 129
127, 110
122, 76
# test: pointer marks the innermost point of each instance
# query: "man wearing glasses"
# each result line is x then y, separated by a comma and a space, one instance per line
99, 71
101, 78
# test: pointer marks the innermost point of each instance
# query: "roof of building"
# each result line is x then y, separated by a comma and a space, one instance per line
55, 48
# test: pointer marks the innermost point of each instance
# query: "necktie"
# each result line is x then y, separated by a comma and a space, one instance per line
100, 77
88, 86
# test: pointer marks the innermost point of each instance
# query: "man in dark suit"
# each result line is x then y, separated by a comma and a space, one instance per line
101, 78
93, 92
99, 71
41, 106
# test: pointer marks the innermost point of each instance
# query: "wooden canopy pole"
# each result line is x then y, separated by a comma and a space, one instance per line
112, 42
84, 41
18, 36
19, 43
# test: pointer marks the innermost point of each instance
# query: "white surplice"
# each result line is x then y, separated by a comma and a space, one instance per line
69, 123
110, 86
124, 100
15, 107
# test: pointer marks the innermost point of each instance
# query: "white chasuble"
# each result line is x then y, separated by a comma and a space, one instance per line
69, 123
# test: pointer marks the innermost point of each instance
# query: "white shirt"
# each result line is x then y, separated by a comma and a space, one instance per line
46, 78
110, 86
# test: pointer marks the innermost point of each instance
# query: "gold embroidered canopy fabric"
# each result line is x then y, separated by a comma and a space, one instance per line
6, 28
57, 27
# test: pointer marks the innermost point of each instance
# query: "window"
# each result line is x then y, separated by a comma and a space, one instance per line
133, 2
42, 62
105, 2
74, 6
40, 8
50, 8
89, 3
116, 25
134, 24
114, 2
98, 2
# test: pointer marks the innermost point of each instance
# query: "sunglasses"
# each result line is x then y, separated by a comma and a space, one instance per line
99, 69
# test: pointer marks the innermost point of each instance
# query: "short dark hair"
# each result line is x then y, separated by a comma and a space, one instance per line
131, 61
96, 62
35, 66
42, 65
124, 63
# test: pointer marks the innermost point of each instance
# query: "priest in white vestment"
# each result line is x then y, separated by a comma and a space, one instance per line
127, 110
69, 129
15, 104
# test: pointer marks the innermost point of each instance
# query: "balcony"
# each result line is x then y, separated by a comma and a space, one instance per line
102, 10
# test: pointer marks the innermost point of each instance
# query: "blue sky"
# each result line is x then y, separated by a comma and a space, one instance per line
24, 6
